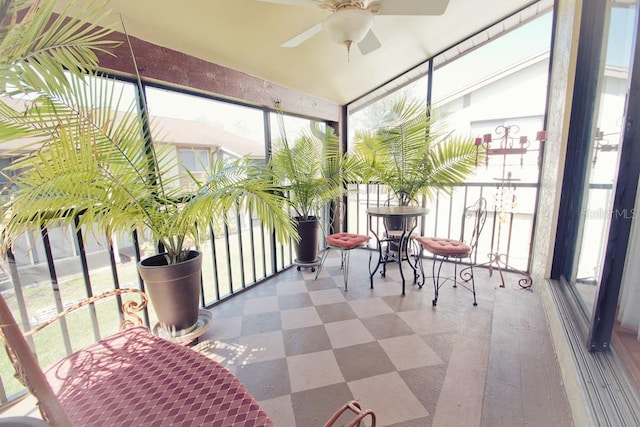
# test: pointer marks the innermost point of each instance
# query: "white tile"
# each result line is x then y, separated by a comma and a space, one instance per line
225, 353
424, 322
261, 305
409, 351
23, 407
300, 318
280, 410
325, 273
348, 332
313, 370
389, 284
333, 259
261, 347
370, 307
389, 396
392, 274
292, 287
385, 289
225, 328
327, 296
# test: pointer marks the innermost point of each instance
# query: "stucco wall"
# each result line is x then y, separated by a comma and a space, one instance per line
559, 110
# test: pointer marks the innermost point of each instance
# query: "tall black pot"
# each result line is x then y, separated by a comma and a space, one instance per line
396, 225
174, 289
307, 248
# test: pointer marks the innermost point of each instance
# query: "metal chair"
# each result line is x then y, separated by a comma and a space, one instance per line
360, 415
130, 378
345, 242
456, 250
136, 378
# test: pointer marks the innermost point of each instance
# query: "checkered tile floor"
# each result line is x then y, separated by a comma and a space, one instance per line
303, 347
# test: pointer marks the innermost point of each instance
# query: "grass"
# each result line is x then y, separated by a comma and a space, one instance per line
231, 266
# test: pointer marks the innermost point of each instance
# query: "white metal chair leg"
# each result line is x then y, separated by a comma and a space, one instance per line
345, 267
324, 256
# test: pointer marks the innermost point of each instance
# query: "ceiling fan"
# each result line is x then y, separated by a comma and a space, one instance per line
351, 20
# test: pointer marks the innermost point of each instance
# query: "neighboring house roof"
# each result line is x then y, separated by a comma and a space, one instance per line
201, 134
179, 132
494, 77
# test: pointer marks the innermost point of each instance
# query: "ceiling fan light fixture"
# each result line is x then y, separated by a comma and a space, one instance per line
348, 26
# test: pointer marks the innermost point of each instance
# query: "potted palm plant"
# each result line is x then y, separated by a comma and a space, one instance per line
312, 171
413, 154
90, 162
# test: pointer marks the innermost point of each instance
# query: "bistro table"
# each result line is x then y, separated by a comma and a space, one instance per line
406, 218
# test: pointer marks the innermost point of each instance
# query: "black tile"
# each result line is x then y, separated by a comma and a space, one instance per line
336, 312
442, 344
288, 302
426, 384
320, 284
305, 340
387, 326
362, 361
314, 407
265, 380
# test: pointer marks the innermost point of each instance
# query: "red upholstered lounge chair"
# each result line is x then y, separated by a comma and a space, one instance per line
345, 242
456, 250
133, 378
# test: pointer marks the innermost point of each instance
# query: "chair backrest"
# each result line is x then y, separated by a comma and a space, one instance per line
477, 212
28, 370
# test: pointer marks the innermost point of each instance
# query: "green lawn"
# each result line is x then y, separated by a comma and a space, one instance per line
40, 300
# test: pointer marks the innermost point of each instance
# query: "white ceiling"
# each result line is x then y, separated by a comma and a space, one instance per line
246, 35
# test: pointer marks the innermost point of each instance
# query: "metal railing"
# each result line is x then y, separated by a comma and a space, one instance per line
55, 268
51, 270
445, 216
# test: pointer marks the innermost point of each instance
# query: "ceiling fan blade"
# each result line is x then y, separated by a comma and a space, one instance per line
293, 2
413, 7
303, 36
369, 43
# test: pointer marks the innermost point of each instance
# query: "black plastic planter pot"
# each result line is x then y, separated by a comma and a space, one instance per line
174, 290
307, 248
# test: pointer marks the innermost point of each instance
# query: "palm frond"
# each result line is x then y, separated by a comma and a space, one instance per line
37, 49
412, 153
311, 170
88, 156
238, 185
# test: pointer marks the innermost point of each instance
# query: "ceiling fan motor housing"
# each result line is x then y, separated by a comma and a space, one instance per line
348, 25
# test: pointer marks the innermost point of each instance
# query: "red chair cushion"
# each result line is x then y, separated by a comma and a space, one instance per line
444, 247
134, 378
347, 240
